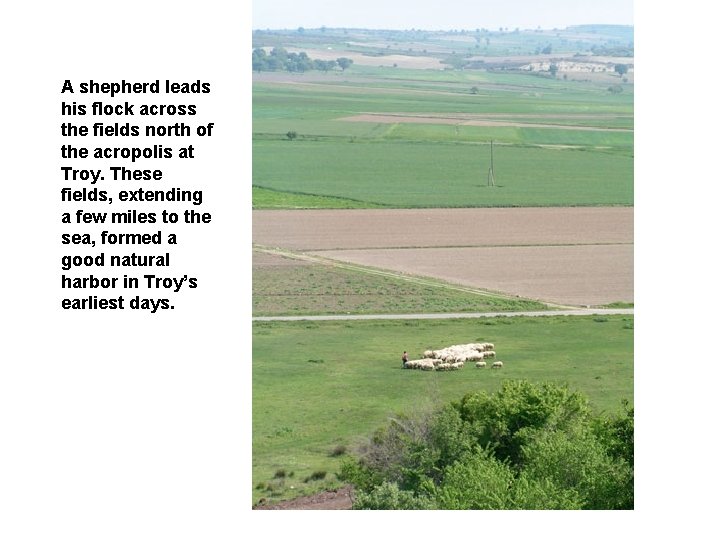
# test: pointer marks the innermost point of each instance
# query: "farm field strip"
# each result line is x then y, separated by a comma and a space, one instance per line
391, 119
318, 230
410, 173
562, 257
562, 275
432, 316
384, 272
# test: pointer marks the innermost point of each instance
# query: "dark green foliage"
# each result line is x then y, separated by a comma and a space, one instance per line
477, 482
617, 433
281, 60
576, 461
509, 418
317, 475
344, 63
526, 446
621, 69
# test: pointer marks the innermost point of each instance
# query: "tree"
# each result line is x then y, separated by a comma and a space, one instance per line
621, 69
553, 69
291, 135
526, 446
324, 65
344, 63
474, 90
259, 60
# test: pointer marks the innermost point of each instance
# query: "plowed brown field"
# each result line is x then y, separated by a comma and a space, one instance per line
574, 256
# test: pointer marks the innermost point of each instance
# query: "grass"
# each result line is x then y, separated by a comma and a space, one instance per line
311, 289
338, 164
304, 410
269, 199
407, 175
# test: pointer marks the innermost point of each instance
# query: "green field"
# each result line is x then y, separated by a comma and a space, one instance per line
321, 386
417, 174
545, 162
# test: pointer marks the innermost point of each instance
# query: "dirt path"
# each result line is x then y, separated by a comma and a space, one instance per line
389, 316
339, 499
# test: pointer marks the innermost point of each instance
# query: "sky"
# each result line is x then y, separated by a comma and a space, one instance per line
438, 15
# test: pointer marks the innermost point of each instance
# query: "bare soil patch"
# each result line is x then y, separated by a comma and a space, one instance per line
340, 499
571, 275
573, 256
441, 227
487, 122
402, 61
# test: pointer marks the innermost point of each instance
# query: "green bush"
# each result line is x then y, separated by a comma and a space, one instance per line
526, 446
387, 496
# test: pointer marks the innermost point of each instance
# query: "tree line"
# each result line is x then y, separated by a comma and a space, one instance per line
527, 446
279, 59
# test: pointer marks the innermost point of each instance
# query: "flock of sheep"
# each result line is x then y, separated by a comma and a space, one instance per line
454, 357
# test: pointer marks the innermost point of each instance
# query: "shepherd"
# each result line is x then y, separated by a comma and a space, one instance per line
404, 358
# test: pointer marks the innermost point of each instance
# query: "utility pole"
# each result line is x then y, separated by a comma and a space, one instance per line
491, 171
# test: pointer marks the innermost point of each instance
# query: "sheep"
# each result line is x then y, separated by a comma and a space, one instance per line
419, 364
497, 365
454, 357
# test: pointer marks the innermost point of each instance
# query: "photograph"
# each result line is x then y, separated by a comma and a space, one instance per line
443, 256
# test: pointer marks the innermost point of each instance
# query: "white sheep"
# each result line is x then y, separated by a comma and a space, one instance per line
497, 365
480, 364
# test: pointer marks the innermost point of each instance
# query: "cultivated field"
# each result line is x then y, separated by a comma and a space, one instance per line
370, 195
569, 256
407, 138
291, 286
